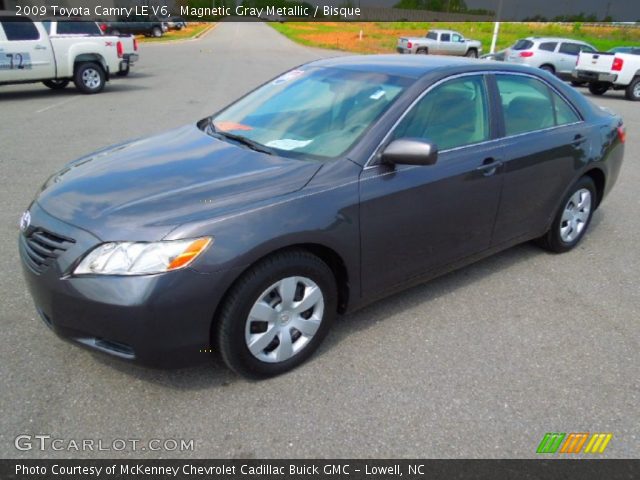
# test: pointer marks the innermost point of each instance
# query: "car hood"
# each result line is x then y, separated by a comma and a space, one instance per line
143, 189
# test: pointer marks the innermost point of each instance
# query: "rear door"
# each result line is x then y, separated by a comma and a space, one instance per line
417, 219
444, 44
545, 144
25, 51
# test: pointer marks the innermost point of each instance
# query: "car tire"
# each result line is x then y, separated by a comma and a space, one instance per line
422, 51
259, 290
598, 88
632, 91
89, 78
56, 84
472, 53
548, 68
573, 218
115, 32
156, 32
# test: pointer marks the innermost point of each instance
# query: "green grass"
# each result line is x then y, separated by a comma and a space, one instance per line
172, 35
380, 37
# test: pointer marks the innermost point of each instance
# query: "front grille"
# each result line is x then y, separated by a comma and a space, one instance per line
40, 248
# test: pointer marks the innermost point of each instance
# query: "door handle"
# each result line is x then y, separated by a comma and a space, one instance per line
578, 140
489, 166
40, 47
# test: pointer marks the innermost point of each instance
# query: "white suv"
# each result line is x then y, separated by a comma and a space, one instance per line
556, 55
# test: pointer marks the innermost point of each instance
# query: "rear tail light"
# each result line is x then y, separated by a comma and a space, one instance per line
120, 49
622, 134
135, 44
409, 45
617, 64
103, 27
526, 54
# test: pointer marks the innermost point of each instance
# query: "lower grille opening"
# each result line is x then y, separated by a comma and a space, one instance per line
115, 347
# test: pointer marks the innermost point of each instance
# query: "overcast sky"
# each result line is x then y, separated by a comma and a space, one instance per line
622, 10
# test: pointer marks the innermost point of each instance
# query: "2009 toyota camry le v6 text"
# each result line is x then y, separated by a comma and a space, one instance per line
335, 184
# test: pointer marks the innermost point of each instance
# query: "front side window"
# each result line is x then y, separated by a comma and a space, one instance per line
19, 28
530, 105
320, 112
451, 115
456, 38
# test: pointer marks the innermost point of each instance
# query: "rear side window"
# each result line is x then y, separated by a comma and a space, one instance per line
445, 37
548, 46
432, 35
522, 44
19, 28
452, 115
529, 105
78, 28
526, 104
570, 48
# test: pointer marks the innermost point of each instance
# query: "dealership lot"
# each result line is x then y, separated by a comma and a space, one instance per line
479, 363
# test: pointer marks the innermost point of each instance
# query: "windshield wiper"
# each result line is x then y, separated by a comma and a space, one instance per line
252, 144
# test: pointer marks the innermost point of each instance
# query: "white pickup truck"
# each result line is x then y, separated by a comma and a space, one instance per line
77, 28
610, 70
28, 54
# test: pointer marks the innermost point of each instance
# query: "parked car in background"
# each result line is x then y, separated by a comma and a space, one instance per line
635, 50
175, 23
555, 55
137, 26
440, 42
30, 55
497, 56
77, 28
249, 231
607, 70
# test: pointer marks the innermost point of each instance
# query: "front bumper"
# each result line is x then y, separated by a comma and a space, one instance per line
158, 320
589, 76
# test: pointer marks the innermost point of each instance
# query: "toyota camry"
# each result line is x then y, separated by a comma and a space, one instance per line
334, 184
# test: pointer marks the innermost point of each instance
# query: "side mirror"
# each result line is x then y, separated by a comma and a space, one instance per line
410, 151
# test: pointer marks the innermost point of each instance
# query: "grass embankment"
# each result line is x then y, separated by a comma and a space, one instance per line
190, 31
381, 37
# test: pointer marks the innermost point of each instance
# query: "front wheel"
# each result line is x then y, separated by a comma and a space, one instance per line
571, 222
598, 88
633, 90
56, 84
277, 314
89, 78
472, 53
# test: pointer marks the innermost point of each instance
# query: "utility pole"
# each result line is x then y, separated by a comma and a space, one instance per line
496, 28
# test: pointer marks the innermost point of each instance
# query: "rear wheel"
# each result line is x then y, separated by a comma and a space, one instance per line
156, 32
422, 51
115, 32
89, 78
472, 53
56, 84
548, 68
277, 314
572, 220
598, 88
633, 90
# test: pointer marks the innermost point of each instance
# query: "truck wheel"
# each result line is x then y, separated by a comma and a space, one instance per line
115, 32
472, 53
422, 51
156, 32
89, 78
598, 88
633, 90
56, 84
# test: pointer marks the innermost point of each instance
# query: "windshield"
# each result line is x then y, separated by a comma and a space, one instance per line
312, 111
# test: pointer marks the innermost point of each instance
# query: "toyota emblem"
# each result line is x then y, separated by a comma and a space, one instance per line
25, 221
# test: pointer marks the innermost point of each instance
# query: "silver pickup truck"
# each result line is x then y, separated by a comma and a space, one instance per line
440, 42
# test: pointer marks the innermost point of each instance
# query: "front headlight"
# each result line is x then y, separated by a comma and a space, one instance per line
141, 258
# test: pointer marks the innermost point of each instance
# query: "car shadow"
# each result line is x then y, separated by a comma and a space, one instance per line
213, 373
44, 92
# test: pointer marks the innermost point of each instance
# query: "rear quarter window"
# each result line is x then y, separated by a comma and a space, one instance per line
522, 44
432, 35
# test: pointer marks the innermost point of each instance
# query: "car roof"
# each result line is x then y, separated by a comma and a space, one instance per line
415, 66
555, 39
441, 30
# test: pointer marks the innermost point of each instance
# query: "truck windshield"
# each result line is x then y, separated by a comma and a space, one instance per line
311, 111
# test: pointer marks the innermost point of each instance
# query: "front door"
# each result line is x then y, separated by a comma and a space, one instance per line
26, 53
415, 219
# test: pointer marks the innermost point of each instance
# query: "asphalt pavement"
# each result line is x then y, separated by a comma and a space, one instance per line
479, 363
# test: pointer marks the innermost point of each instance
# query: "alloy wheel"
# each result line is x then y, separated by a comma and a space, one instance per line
575, 215
91, 78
